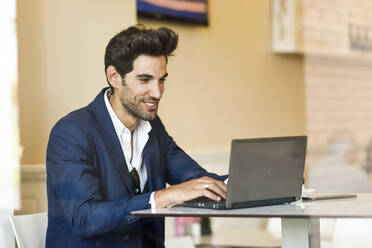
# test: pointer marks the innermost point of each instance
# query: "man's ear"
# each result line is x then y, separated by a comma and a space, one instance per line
114, 77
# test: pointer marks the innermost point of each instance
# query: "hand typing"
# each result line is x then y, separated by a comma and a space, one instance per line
204, 186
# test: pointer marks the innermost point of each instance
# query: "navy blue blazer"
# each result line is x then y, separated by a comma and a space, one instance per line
90, 194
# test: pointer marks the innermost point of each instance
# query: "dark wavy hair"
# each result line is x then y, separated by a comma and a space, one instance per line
130, 43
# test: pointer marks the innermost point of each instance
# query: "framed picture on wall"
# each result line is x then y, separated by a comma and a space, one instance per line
190, 11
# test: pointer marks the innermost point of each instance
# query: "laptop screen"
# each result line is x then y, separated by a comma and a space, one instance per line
266, 168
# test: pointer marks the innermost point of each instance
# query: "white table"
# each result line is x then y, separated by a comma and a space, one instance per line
300, 220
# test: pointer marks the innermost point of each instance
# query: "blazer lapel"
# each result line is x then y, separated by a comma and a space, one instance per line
111, 139
151, 155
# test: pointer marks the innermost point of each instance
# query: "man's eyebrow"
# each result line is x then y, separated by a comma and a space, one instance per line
144, 75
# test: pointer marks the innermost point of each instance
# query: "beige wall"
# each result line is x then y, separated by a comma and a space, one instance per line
337, 75
61, 49
224, 80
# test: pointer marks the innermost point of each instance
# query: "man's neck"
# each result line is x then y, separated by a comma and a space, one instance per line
126, 118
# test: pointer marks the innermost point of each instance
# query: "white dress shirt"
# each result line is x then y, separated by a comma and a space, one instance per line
140, 138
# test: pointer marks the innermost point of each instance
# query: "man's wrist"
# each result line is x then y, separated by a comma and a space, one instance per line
160, 198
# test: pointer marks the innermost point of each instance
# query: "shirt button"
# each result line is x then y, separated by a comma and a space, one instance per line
125, 237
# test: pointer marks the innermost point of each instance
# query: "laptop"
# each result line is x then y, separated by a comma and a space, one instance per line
262, 171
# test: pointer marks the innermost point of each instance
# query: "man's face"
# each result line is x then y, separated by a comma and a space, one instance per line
143, 87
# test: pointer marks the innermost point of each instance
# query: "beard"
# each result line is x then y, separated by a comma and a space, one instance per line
133, 104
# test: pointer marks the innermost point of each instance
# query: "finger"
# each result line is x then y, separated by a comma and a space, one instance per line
217, 189
209, 194
221, 184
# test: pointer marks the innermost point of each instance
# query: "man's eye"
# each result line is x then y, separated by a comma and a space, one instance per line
144, 80
162, 80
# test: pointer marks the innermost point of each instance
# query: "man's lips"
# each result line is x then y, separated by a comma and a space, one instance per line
151, 105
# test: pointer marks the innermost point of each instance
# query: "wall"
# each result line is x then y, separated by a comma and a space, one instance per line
61, 49
224, 81
337, 62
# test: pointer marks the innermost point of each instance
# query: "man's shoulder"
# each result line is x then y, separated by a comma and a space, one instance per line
76, 120
82, 115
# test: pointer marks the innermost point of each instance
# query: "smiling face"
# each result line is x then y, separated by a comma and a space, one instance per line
141, 89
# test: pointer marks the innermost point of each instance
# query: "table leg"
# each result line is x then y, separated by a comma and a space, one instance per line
300, 233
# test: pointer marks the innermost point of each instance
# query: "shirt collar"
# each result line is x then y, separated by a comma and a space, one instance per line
120, 128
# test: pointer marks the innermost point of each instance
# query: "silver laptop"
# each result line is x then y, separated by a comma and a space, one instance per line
263, 171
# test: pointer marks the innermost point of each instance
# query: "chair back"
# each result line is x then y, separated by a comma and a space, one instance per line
30, 230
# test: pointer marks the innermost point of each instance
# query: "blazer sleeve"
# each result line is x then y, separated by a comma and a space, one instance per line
75, 186
180, 166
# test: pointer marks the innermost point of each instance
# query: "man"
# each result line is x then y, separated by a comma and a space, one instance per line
114, 156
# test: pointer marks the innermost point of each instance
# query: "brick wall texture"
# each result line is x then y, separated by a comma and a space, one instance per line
338, 72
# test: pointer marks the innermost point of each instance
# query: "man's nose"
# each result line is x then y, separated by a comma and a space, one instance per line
156, 90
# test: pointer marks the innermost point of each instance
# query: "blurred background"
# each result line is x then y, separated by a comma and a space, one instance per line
243, 69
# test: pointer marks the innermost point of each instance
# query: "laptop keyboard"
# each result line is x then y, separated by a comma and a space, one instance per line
203, 202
